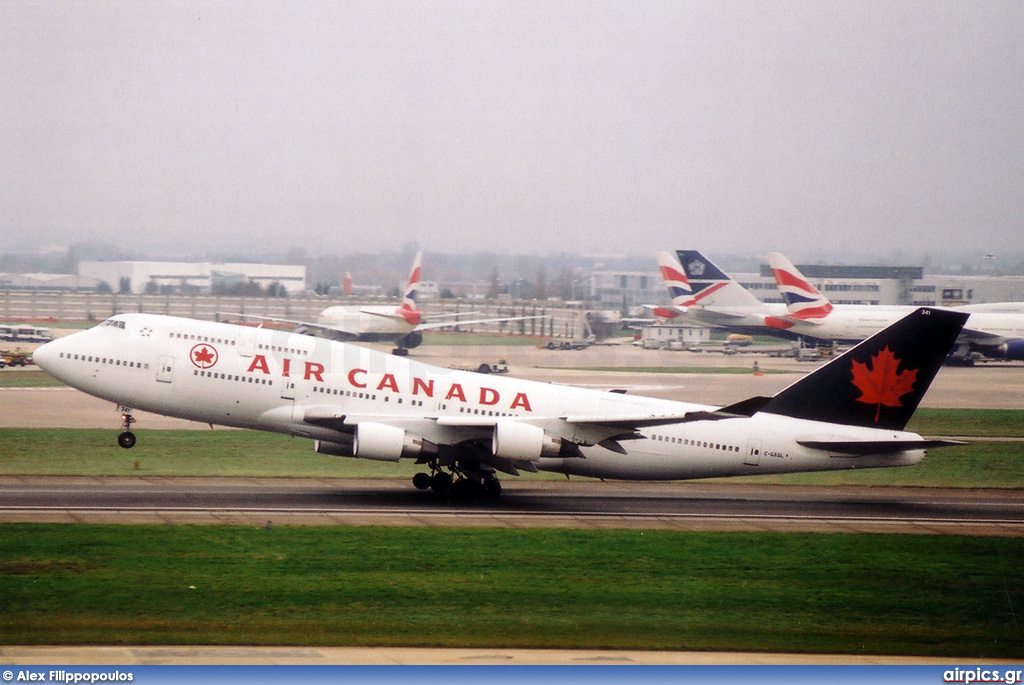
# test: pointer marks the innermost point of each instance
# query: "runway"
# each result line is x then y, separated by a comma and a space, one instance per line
693, 505
574, 504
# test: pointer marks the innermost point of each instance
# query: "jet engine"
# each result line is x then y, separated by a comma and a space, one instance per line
1012, 349
414, 339
337, 449
382, 442
514, 440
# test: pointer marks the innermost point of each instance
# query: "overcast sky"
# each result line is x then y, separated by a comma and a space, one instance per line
523, 127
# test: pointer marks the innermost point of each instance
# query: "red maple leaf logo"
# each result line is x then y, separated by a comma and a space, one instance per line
204, 356
882, 383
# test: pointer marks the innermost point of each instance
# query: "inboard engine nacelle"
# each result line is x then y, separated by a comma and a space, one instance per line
514, 440
380, 442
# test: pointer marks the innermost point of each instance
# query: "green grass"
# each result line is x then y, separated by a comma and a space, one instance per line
32, 378
977, 465
93, 452
874, 594
1005, 423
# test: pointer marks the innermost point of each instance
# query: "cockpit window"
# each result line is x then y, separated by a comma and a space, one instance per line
113, 322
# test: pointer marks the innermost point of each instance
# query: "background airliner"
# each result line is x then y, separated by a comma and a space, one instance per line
402, 325
466, 427
993, 330
704, 294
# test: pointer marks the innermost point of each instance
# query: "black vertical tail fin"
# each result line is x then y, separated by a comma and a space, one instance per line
880, 382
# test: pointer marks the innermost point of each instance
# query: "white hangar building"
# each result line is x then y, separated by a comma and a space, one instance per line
189, 277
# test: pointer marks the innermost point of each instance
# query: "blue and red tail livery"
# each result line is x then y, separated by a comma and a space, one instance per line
675, 280
408, 309
803, 300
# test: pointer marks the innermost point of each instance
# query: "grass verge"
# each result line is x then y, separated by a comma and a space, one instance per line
93, 452
873, 594
29, 378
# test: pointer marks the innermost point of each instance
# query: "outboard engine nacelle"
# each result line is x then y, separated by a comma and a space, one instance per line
338, 449
514, 440
1012, 349
414, 339
383, 442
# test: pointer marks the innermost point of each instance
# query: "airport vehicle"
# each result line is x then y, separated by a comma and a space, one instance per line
466, 427
15, 357
738, 340
24, 333
402, 325
994, 330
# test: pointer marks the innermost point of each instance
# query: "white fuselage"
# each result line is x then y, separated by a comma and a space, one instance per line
372, 321
856, 322
283, 382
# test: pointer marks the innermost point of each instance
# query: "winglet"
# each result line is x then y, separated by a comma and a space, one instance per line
880, 382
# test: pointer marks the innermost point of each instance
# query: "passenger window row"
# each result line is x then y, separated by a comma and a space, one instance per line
696, 443
202, 338
104, 360
232, 377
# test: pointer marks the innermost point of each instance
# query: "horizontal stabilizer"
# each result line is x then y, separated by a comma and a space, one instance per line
863, 447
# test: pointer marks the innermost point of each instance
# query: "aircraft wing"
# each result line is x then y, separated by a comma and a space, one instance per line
460, 322
572, 431
331, 330
982, 337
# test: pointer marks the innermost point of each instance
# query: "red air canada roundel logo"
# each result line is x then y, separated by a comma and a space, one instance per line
204, 356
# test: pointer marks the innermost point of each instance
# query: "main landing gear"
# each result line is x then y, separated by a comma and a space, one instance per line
126, 438
459, 484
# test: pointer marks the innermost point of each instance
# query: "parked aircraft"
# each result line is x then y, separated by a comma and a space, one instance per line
466, 427
704, 295
402, 325
993, 330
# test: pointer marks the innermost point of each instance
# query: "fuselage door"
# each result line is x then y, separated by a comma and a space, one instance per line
247, 342
753, 456
287, 388
165, 368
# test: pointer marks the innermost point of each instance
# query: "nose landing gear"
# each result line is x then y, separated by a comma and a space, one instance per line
126, 438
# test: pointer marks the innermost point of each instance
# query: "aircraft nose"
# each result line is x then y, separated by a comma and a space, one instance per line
45, 356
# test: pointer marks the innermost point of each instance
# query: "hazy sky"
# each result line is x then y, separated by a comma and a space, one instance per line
519, 127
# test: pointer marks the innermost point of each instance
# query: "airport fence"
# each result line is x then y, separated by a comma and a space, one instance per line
559, 321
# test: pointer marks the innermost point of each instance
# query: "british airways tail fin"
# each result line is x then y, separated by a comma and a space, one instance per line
675, 280
880, 382
408, 309
712, 286
803, 300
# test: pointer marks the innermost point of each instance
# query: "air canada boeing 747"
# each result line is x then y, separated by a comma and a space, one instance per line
465, 428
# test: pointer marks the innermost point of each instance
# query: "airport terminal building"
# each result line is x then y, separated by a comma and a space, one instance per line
901, 285
187, 277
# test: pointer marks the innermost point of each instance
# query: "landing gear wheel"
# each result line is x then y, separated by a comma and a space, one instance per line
441, 483
465, 491
492, 489
126, 440
422, 481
